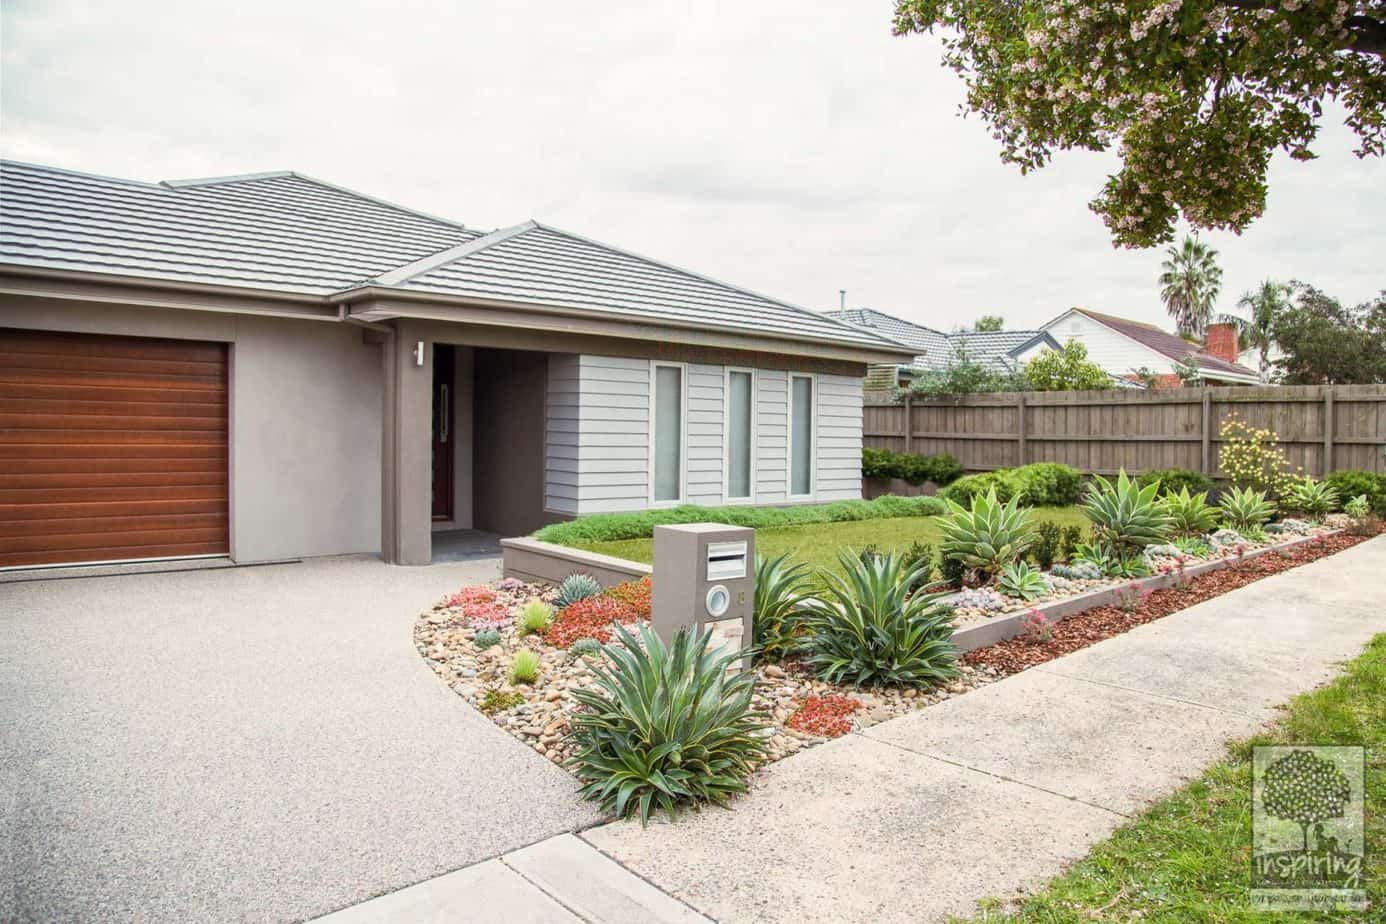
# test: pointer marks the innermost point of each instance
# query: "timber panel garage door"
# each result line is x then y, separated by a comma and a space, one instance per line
111, 448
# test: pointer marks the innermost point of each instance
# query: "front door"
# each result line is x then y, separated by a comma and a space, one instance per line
443, 436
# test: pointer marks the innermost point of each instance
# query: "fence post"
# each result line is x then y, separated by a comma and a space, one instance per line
1020, 427
1206, 458
1327, 432
909, 421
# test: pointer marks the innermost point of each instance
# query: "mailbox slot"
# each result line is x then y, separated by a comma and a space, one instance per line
726, 561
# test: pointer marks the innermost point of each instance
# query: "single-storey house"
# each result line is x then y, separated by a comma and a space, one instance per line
998, 350
269, 366
1123, 348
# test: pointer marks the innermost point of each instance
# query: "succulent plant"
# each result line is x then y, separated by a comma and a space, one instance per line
1195, 546
535, 616
1226, 539
1078, 571
869, 627
1020, 580
494, 701
1314, 498
1046, 547
486, 638
1358, 507
781, 588
665, 726
585, 648
1126, 515
1245, 509
988, 535
524, 667
1190, 514
575, 587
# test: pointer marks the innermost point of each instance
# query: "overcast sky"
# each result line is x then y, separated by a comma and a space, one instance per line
790, 148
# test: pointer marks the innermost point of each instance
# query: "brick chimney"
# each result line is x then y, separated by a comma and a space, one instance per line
1222, 341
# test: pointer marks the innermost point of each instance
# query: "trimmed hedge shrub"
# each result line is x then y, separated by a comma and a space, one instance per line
606, 527
1352, 482
1174, 480
1042, 484
916, 469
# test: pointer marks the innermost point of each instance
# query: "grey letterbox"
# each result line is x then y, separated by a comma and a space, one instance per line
705, 576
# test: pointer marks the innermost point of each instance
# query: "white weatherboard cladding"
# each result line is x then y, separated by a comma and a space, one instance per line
1116, 353
598, 435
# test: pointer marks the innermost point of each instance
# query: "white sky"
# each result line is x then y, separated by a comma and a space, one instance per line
790, 148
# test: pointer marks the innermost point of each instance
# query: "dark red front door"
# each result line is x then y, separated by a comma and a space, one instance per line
442, 432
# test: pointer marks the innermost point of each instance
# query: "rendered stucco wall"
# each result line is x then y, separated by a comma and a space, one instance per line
598, 429
306, 399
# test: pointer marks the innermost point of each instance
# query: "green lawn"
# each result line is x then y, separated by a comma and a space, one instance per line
1188, 857
818, 543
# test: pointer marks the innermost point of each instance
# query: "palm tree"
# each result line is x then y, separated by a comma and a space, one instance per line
1189, 285
1256, 331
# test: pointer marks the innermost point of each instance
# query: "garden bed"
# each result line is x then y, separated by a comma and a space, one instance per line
802, 710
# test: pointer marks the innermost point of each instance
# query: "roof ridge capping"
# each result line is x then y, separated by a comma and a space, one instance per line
407, 271
294, 174
719, 282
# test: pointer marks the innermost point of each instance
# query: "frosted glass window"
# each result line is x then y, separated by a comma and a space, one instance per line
668, 432
739, 434
801, 436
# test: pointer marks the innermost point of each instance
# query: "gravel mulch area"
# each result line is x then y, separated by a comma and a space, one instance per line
1103, 622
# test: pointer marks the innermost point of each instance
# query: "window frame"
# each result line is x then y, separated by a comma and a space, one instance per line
789, 436
727, 497
655, 366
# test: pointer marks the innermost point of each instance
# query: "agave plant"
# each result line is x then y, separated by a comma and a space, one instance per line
986, 536
870, 628
1190, 514
1245, 509
1020, 580
665, 726
780, 591
1126, 515
576, 587
1313, 498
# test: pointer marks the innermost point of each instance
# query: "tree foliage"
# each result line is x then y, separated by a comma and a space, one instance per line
1068, 369
1190, 280
1256, 328
1195, 95
1325, 342
988, 323
965, 376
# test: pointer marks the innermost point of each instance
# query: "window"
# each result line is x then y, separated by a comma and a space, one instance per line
666, 434
740, 433
800, 435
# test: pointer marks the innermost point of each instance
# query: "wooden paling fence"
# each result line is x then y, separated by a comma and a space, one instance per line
1323, 428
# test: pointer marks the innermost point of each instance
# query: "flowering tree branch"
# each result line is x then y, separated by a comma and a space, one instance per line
1194, 95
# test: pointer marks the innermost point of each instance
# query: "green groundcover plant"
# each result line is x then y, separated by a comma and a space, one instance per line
916, 469
665, 726
606, 527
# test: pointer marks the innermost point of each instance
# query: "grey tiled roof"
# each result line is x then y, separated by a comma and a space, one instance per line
988, 348
291, 233
278, 231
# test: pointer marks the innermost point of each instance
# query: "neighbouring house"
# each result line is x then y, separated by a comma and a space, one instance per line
269, 367
1124, 348
1002, 350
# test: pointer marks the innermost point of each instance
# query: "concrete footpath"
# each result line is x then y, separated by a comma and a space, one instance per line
989, 794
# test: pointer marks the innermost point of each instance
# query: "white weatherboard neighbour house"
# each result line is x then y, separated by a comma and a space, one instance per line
268, 366
1121, 347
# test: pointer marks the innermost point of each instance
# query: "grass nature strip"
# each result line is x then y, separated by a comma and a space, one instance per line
1187, 858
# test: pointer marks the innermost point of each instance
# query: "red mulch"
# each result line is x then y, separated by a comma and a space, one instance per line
1094, 625
827, 716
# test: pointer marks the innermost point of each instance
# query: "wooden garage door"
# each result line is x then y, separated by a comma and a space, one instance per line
111, 448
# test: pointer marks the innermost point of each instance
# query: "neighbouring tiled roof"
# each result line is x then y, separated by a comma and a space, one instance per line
279, 231
988, 348
1166, 344
292, 233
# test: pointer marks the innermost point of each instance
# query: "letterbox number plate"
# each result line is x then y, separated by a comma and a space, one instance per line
726, 560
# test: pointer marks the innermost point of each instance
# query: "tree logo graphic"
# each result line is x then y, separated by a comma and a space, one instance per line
1306, 789
1308, 828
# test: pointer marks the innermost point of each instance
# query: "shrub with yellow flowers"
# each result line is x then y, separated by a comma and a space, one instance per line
1250, 457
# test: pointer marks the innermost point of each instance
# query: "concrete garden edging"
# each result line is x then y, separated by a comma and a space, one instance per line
531, 560
1001, 628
